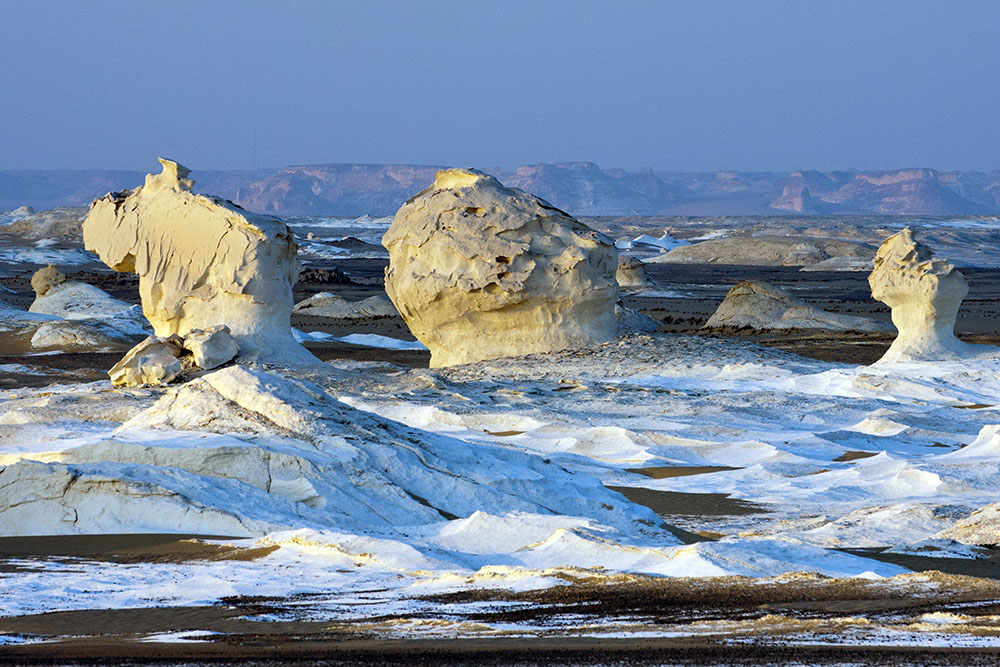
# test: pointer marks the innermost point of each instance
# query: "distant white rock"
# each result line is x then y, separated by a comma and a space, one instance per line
47, 225
328, 304
763, 306
202, 262
841, 263
764, 251
22, 211
631, 274
482, 271
663, 243
925, 295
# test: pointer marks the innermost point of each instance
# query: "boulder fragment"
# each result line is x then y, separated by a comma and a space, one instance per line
924, 294
154, 362
212, 347
202, 262
482, 271
763, 306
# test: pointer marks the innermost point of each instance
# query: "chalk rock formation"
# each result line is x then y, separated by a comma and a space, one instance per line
481, 271
201, 262
153, 362
924, 294
212, 347
23, 211
762, 306
73, 300
76, 336
328, 304
631, 274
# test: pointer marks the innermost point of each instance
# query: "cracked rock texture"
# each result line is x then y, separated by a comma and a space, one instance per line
763, 306
201, 261
924, 294
482, 271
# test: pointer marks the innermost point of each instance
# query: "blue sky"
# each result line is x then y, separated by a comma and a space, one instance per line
669, 85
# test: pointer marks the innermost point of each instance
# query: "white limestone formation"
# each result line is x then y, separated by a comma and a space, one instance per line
212, 347
763, 306
924, 294
631, 274
482, 271
202, 262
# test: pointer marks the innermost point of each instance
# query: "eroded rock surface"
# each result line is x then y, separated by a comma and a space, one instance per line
482, 271
201, 261
328, 304
763, 306
925, 294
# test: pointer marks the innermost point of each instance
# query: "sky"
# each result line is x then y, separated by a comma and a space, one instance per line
675, 86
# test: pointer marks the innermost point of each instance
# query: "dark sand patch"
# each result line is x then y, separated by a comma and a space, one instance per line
125, 548
666, 472
672, 503
988, 567
854, 455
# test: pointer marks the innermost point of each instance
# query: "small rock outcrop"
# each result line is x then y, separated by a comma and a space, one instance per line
328, 304
924, 294
482, 271
73, 300
631, 274
763, 306
202, 262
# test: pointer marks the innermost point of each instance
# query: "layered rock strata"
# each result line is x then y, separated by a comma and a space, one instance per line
482, 271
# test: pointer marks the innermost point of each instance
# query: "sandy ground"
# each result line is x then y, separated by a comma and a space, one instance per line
112, 636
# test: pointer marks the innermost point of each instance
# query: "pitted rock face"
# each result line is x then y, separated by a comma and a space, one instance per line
482, 271
924, 294
202, 261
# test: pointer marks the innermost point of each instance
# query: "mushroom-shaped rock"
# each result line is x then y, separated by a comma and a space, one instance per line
924, 294
482, 271
202, 262
763, 306
45, 279
631, 274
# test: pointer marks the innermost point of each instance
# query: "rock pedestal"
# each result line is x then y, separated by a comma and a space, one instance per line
481, 271
201, 261
924, 294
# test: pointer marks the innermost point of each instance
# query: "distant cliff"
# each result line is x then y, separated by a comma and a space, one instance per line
582, 188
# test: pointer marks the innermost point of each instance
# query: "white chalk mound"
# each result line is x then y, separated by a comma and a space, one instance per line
328, 304
763, 306
201, 261
73, 300
482, 271
765, 251
925, 295
158, 361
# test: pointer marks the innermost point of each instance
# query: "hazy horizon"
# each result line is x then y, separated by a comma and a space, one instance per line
773, 86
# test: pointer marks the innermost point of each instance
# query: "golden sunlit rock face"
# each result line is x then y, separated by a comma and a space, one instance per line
482, 271
202, 261
924, 294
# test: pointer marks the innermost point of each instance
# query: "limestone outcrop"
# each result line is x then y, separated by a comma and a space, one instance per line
482, 271
924, 294
631, 274
202, 262
763, 306
328, 304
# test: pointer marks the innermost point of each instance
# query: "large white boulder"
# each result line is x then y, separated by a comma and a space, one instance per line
202, 261
763, 306
924, 294
482, 271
